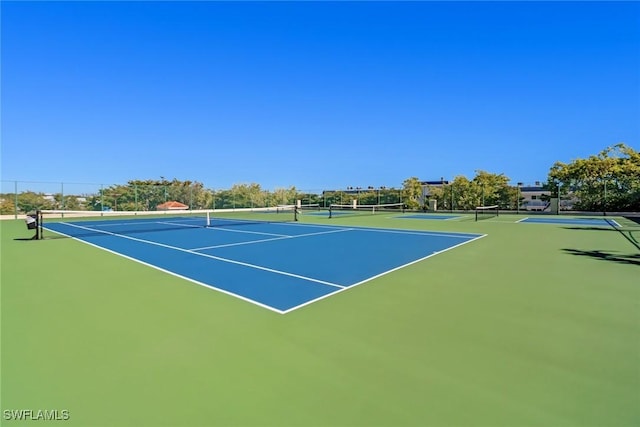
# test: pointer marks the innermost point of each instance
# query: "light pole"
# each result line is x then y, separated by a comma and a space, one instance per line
451, 188
115, 201
556, 184
604, 207
518, 197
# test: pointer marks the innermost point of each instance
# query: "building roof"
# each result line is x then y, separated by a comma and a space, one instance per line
171, 205
439, 182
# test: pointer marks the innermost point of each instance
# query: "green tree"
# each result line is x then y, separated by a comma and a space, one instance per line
389, 195
7, 205
609, 180
29, 201
222, 199
284, 196
310, 198
485, 188
412, 192
248, 196
495, 189
334, 198
467, 194
146, 195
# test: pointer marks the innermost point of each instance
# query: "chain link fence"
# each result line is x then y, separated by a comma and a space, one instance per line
21, 197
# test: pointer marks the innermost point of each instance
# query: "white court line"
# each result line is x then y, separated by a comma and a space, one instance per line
615, 222
420, 233
523, 219
389, 230
381, 274
245, 264
269, 240
178, 225
139, 222
268, 307
245, 231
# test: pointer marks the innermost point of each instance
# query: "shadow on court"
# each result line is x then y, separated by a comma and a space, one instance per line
590, 228
630, 234
633, 259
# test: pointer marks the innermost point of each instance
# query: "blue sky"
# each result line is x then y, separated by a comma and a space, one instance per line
317, 95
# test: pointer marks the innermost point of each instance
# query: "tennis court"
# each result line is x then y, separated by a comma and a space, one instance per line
277, 265
529, 325
600, 222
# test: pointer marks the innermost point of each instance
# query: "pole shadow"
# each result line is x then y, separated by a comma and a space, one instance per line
630, 259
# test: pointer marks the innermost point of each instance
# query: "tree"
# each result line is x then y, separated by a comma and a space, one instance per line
485, 189
609, 180
7, 206
146, 195
495, 189
284, 196
334, 197
412, 192
29, 201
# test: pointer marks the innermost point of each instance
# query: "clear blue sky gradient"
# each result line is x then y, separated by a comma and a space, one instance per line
316, 95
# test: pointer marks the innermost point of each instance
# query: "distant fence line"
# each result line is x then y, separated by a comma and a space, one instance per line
21, 197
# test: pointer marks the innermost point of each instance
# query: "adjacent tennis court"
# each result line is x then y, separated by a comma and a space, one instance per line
261, 260
601, 222
429, 216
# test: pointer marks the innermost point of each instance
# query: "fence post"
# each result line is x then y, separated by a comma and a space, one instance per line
15, 205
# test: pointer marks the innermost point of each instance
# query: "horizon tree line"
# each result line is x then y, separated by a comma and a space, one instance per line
607, 181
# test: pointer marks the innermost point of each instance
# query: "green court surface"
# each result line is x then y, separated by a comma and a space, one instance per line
532, 325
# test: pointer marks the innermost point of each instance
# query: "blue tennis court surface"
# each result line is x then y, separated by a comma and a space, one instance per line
278, 266
428, 216
602, 222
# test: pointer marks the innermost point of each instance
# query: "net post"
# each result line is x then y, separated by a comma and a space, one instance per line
39, 234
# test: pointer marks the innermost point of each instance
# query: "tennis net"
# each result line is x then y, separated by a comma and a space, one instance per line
486, 212
82, 223
226, 217
336, 210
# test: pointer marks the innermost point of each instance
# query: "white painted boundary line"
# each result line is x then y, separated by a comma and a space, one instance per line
386, 230
177, 224
419, 233
381, 274
115, 223
268, 307
214, 228
521, 220
245, 264
270, 240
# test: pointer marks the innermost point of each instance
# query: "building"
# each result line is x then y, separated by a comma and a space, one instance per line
171, 206
534, 198
426, 192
